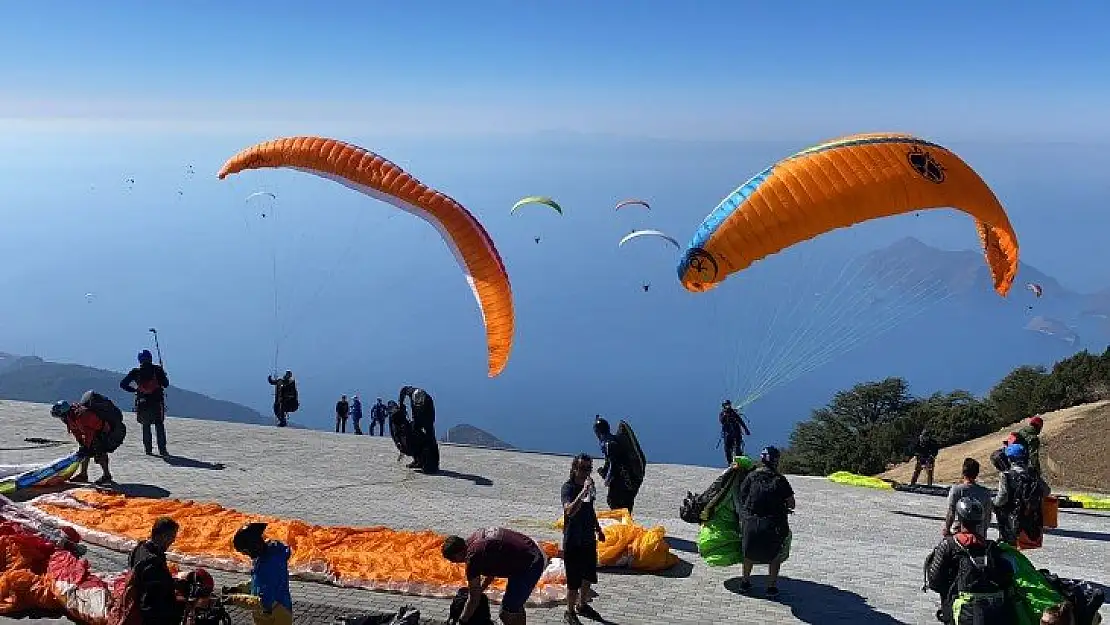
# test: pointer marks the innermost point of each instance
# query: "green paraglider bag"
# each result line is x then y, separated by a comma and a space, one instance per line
719, 539
1034, 593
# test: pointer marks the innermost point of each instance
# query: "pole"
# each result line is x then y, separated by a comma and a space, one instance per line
157, 347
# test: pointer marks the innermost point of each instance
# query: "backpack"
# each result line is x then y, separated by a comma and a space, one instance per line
698, 508
976, 599
290, 401
481, 616
110, 413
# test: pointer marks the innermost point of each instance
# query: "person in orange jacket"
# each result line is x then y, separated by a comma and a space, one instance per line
92, 434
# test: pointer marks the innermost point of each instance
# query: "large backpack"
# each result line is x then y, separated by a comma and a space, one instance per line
976, 598
290, 401
110, 413
699, 508
481, 616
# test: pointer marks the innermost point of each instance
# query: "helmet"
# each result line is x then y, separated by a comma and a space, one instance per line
744, 462
969, 510
1016, 451
601, 425
1037, 422
60, 409
770, 455
726, 403
248, 536
145, 356
199, 583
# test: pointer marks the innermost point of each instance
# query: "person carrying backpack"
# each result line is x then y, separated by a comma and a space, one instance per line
356, 414
764, 501
970, 574
286, 400
148, 382
733, 431
614, 471
1018, 503
1030, 437
154, 585
97, 426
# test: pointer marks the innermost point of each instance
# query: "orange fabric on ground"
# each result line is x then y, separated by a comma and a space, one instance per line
405, 561
23, 582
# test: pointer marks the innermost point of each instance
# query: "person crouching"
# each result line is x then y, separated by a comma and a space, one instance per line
267, 592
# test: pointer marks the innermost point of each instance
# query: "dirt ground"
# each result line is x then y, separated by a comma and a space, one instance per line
1074, 453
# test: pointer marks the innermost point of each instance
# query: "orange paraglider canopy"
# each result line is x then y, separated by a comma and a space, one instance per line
377, 177
375, 558
838, 184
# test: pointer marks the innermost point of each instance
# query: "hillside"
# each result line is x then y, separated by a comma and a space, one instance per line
1073, 451
466, 434
33, 379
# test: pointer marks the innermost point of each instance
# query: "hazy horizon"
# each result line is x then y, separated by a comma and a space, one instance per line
594, 105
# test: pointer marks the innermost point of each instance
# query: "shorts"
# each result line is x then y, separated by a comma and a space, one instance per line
520, 587
581, 564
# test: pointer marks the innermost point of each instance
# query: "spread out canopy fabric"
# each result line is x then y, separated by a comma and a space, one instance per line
18, 477
369, 173
838, 184
374, 558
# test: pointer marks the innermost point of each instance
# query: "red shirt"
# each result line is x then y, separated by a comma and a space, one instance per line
84, 425
500, 552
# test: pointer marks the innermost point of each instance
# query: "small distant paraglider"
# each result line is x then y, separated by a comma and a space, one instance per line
536, 239
632, 202
89, 297
536, 199
647, 287
262, 194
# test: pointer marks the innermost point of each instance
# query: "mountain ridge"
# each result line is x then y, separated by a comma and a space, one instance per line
33, 379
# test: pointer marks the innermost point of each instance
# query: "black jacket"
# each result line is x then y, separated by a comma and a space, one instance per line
156, 596
942, 568
149, 380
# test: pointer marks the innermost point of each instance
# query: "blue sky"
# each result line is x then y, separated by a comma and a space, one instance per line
701, 70
491, 101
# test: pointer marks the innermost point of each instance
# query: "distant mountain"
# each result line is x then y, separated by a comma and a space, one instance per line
469, 435
29, 378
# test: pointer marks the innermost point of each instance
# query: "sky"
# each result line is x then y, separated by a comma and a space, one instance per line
491, 101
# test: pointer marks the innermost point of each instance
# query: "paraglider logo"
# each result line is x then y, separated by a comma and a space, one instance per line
924, 164
703, 263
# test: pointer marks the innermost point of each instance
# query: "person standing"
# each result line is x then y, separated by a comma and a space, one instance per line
378, 414
148, 382
766, 500
969, 488
581, 533
733, 431
342, 408
356, 414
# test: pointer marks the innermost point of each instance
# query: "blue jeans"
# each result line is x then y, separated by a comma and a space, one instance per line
520, 587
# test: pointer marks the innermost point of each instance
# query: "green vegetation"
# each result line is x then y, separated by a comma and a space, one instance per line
871, 425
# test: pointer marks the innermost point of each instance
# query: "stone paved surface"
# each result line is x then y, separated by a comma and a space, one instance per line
856, 558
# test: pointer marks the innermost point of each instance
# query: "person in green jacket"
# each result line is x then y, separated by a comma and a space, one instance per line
1030, 436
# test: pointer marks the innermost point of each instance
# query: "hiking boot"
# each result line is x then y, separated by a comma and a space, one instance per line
149, 452
104, 480
570, 618
590, 613
162, 452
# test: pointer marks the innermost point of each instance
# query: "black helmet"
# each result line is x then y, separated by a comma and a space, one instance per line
601, 425
248, 536
969, 510
770, 455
